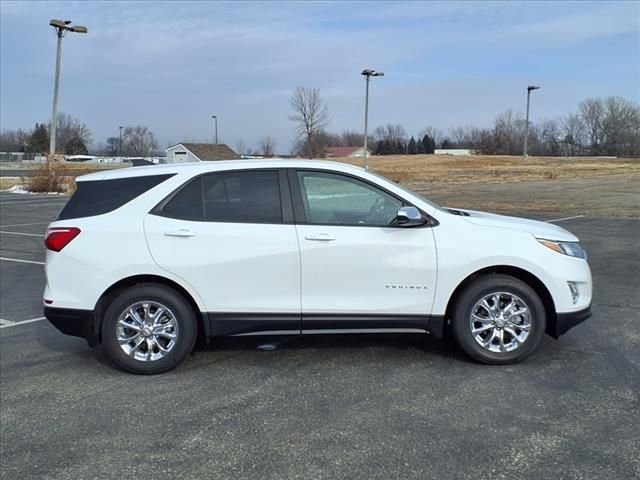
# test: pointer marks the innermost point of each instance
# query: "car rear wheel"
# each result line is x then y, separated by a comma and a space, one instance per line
148, 329
498, 319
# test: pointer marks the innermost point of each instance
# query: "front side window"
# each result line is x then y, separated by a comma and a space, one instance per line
331, 199
240, 197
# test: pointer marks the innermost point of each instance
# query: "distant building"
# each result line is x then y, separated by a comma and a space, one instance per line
199, 152
346, 152
453, 151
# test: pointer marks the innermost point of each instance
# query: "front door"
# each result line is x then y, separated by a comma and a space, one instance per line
359, 269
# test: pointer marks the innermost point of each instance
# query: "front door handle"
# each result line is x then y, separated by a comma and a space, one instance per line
320, 237
180, 233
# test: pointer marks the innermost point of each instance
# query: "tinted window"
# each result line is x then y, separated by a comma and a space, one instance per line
241, 197
103, 196
187, 203
250, 197
331, 199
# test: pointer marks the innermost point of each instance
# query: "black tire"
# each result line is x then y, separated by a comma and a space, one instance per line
178, 319
467, 303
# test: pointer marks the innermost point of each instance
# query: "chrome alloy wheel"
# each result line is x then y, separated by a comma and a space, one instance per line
147, 331
500, 322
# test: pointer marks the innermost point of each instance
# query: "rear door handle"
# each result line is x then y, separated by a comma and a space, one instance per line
320, 237
180, 233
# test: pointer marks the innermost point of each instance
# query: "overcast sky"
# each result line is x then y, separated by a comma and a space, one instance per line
171, 65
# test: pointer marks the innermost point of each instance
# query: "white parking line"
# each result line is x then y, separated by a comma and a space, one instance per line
20, 233
20, 261
24, 224
563, 219
7, 323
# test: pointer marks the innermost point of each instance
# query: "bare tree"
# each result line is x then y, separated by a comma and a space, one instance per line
70, 132
138, 141
267, 146
391, 133
14, 140
241, 147
310, 115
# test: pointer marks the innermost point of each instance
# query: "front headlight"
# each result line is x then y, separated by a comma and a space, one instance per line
572, 249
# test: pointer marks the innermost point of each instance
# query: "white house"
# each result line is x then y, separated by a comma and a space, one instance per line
199, 152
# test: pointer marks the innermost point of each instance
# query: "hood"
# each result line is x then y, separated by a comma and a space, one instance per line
537, 228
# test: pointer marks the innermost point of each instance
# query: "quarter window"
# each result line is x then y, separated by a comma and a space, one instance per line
331, 199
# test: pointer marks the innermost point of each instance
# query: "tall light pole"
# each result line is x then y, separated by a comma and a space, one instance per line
120, 142
61, 27
367, 73
530, 88
215, 118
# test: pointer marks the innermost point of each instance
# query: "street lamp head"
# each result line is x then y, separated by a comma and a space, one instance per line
213, 116
61, 25
378, 74
532, 87
366, 72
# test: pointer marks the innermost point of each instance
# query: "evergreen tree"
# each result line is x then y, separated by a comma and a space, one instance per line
420, 147
412, 149
39, 140
429, 144
400, 148
446, 144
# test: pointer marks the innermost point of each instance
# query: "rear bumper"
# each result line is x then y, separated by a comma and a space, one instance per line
71, 321
566, 321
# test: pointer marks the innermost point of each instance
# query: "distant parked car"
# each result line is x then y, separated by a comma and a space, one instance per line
143, 259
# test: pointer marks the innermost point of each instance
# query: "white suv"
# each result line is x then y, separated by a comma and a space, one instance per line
145, 259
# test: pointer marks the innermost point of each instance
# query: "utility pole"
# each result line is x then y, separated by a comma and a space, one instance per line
367, 73
215, 138
530, 88
120, 142
61, 27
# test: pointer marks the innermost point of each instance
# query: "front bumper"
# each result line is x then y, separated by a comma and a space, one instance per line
71, 321
566, 321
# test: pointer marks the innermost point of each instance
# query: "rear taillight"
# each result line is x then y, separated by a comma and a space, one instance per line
59, 237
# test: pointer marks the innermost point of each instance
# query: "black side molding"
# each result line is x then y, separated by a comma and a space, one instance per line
566, 321
223, 323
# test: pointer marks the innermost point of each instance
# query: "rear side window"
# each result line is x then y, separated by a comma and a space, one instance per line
238, 197
102, 196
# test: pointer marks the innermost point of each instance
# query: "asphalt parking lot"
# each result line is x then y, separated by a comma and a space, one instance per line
371, 406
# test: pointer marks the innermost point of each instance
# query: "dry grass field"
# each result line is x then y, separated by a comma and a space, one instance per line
417, 169
545, 187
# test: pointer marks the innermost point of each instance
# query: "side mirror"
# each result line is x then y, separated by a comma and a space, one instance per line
409, 217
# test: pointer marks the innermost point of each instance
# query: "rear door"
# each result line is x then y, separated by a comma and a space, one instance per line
230, 235
359, 270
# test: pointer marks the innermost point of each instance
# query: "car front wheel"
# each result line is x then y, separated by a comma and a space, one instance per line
148, 329
498, 319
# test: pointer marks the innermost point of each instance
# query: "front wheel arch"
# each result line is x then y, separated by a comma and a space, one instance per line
519, 273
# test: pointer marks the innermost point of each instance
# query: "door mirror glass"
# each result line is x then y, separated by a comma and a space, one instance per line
409, 217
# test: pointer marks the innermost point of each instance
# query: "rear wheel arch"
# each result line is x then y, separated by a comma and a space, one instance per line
110, 293
523, 275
